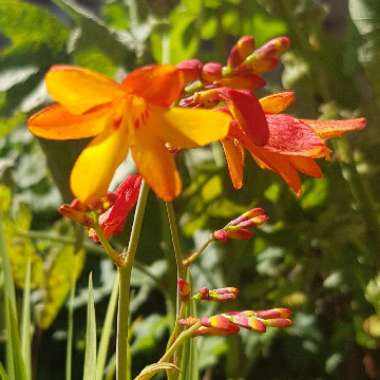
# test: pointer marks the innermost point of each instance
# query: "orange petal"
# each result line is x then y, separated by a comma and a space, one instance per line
279, 164
188, 128
248, 112
306, 165
155, 164
235, 160
277, 103
55, 123
79, 89
327, 129
157, 84
95, 166
290, 136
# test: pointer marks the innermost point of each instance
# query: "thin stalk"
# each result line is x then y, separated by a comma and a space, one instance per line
116, 257
107, 331
124, 287
70, 332
194, 256
178, 342
26, 322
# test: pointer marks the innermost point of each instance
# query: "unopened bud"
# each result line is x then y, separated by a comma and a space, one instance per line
212, 331
191, 69
278, 322
242, 49
267, 56
274, 313
217, 295
247, 322
233, 233
212, 72
243, 81
76, 212
183, 288
252, 217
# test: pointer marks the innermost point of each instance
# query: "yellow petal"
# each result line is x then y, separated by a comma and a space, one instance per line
189, 128
95, 167
56, 123
79, 89
155, 164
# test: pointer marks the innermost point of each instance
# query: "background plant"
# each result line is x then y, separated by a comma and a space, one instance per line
319, 255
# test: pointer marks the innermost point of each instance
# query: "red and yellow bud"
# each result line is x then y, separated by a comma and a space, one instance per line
278, 322
191, 69
212, 72
217, 295
77, 212
242, 49
242, 81
212, 331
183, 288
280, 312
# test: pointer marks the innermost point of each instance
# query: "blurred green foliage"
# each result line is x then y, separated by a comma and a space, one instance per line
318, 255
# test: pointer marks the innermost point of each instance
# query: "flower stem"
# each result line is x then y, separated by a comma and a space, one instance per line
178, 342
195, 255
124, 287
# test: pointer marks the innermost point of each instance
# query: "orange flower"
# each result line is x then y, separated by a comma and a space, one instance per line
132, 115
292, 146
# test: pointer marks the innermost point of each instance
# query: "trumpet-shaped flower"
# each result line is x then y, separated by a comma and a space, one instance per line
276, 141
134, 115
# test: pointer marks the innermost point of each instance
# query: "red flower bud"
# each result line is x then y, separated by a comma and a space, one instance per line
278, 322
273, 313
183, 288
212, 72
77, 213
191, 69
217, 295
241, 50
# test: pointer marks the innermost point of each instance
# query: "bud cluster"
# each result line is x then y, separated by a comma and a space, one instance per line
217, 295
230, 323
244, 65
240, 228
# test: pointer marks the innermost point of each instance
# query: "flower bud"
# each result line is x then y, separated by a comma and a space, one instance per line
252, 217
273, 313
77, 213
278, 322
242, 49
212, 72
247, 322
217, 295
242, 81
183, 288
212, 331
191, 69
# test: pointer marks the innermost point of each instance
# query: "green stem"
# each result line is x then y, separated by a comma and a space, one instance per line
194, 256
181, 269
124, 287
70, 332
178, 342
116, 257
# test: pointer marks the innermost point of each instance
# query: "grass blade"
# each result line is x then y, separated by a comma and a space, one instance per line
3, 374
107, 330
26, 320
90, 353
13, 341
70, 332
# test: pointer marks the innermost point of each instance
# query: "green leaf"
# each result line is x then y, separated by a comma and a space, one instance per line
115, 45
29, 26
107, 331
3, 374
16, 360
70, 333
90, 352
26, 325
65, 267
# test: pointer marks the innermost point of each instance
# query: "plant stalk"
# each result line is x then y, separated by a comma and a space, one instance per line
125, 271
